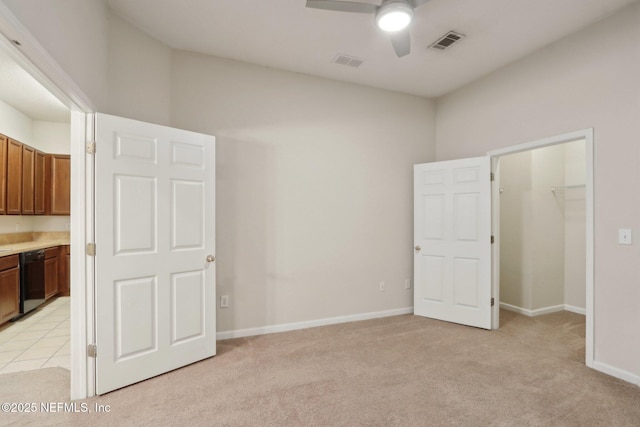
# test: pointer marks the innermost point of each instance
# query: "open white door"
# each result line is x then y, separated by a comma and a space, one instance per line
452, 231
155, 240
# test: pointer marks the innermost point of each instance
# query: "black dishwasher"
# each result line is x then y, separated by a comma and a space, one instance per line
31, 280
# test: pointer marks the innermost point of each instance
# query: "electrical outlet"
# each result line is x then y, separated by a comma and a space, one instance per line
381, 286
407, 283
224, 301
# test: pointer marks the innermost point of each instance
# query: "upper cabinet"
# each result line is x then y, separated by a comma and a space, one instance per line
33, 182
14, 177
28, 179
40, 184
3, 174
58, 191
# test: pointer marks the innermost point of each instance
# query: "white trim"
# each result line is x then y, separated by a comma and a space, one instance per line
618, 373
587, 136
574, 309
544, 310
545, 142
495, 232
78, 310
239, 333
590, 246
36, 61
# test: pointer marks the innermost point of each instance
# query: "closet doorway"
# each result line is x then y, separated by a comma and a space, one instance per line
543, 224
542, 230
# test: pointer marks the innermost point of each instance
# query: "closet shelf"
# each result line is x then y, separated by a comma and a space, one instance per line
566, 187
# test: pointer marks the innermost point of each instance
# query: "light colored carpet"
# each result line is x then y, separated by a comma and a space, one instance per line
404, 370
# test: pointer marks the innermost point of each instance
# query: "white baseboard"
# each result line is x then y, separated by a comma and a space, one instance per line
544, 310
515, 309
616, 372
239, 333
574, 309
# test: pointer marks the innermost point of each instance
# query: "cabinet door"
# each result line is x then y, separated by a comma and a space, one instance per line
14, 177
9, 294
64, 283
51, 277
60, 188
40, 182
3, 174
28, 179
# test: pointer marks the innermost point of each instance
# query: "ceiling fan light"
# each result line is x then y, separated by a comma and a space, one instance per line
394, 16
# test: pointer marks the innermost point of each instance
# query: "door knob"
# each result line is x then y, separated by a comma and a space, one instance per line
418, 248
210, 258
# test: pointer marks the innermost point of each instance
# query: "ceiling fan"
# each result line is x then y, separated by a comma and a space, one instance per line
392, 16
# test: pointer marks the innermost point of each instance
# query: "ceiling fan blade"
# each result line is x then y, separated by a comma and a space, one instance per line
417, 3
401, 42
342, 6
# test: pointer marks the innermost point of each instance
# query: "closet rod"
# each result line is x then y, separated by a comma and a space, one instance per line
567, 187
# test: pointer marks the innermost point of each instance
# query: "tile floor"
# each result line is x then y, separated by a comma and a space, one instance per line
38, 340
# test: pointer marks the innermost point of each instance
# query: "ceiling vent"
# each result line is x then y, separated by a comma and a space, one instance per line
447, 41
348, 60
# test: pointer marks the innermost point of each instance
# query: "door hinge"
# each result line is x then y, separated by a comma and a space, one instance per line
91, 249
492, 177
92, 350
91, 147
492, 240
493, 302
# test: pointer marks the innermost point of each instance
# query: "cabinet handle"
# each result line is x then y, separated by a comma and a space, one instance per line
210, 258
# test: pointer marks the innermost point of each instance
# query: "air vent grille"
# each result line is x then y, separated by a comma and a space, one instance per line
447, 41
348, 60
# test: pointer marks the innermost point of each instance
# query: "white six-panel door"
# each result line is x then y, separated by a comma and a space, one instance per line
452, 253
155, 228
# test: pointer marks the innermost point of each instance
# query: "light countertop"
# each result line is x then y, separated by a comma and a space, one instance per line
16, 248
11, 244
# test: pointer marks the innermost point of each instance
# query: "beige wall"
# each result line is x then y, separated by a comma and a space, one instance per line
516, 217
589, 79
138, 74
14, 123
542, 233
314, 188
547, 228
575, 224
51, 137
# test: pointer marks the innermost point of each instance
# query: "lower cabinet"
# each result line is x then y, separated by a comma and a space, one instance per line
56, 279
51, 271
64, 282
9, 288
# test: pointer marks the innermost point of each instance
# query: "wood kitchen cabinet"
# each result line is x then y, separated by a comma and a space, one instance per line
14, 177
33, 182
51, 271
58, 188
40, 207
9, 288
3, 174
64, 282
28, 179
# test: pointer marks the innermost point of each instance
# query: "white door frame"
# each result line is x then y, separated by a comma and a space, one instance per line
34, 59
587, 136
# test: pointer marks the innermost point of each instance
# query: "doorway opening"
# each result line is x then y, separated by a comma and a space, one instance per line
543, 224
35, 145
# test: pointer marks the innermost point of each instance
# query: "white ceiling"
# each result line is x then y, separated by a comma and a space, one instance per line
285, 34
25, 94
